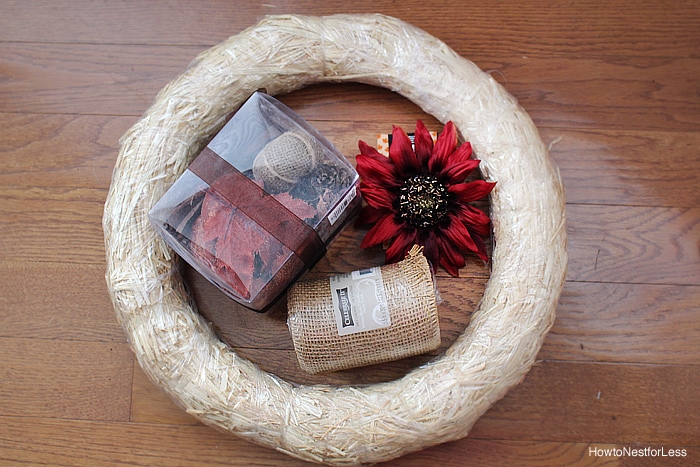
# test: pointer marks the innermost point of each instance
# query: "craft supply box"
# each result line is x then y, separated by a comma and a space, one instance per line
260, 204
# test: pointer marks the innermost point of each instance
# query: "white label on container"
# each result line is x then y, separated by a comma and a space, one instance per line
359, 301
338, 211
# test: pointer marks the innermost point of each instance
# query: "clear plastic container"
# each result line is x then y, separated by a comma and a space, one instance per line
260, 204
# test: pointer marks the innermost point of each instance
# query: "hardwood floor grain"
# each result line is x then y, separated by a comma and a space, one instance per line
614, 87
59, 149
64, 379
634, 244
86, 78
61, 301
618, 323
149, 404
591, 27
610, 92
53, 224
627, 168
81, 443
585, 402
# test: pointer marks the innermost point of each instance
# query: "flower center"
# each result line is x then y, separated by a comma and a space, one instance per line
423, 200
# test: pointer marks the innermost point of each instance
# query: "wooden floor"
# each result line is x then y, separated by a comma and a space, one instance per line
613, 85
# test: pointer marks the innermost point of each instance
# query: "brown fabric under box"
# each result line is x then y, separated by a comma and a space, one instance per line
414, 329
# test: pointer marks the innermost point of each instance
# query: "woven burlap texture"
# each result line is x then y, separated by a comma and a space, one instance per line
285, 159
415, 327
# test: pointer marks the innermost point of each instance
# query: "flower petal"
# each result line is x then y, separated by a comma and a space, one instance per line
401, 153
369, 151
471, 191
444, 146
377, 197
369, 215
400, 246
458, 234
451, 259
431, 249
458, 172
385, 229
463, 153
423, 143
481, 248
474, 219
377, 171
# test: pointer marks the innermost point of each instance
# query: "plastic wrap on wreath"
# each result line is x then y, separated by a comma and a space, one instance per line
365, 317
260, 204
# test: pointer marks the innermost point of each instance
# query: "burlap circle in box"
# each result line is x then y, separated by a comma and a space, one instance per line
285, 160
414, 329
338, 425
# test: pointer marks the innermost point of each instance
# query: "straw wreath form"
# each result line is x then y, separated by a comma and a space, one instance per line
343, 425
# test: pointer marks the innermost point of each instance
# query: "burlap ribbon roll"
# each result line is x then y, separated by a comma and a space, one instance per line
410, 295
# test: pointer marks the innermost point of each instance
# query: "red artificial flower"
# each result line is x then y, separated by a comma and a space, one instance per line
420, 197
